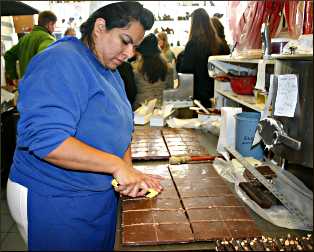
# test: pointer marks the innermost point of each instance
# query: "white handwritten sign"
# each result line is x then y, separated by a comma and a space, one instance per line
287, 95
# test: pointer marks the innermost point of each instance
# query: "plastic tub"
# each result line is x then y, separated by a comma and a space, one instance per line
246, 123
243, 85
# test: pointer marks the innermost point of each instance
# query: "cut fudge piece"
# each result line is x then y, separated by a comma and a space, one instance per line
174, 233
139, 235
210, 230
242, 229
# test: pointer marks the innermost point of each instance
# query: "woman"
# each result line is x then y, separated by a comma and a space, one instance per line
127, 75
165, 47
203, 42
220, 30
151, 72
74, 135
70, 32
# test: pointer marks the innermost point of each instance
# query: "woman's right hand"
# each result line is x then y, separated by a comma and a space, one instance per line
135, 183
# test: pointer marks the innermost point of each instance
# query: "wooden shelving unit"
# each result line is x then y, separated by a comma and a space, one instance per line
246, 100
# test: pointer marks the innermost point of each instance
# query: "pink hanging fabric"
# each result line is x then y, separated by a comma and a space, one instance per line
246, 19
294, 14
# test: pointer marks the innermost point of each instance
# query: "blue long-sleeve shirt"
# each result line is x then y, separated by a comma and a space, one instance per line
67, 92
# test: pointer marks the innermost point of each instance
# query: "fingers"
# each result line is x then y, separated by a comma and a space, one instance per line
155, 176
136, 190
134, 183
153, 183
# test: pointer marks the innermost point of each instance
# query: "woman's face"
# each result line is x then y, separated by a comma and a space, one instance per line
160, 43
114, 46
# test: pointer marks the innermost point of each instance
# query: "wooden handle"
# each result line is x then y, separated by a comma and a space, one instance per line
202, 158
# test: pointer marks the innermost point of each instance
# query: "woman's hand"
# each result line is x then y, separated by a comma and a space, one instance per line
134, 183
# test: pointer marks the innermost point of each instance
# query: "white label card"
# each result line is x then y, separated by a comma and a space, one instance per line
287, 95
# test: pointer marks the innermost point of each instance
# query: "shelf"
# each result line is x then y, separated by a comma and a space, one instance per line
246, 100
293, 56
227, 58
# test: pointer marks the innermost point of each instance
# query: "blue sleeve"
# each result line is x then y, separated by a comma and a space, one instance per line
52, 95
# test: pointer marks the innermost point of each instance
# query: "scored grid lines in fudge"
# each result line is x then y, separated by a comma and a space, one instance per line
213, 217
160, 217
153, 234
153, 217
148, 144
183, 142
212, 208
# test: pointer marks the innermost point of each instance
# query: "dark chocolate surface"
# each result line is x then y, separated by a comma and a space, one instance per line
183, 142
178, 233
152, 204
207, 206
242, 229
205, 231
148, 144
139, 235
207, 202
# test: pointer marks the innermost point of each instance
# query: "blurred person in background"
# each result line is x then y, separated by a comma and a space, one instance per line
165, 47
29, 45
203, 42
70, 32
74, 136
224, 48
127, 75
152, 72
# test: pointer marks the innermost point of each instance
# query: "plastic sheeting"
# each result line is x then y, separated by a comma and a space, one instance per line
308, 18
294, 14
246, 19
278, 215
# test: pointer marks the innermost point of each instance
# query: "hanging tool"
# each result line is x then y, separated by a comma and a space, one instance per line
151, 193
272, 133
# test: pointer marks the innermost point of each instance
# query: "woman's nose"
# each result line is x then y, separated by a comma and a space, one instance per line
129, 51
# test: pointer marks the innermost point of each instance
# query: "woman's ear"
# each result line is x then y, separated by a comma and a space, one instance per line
99, 26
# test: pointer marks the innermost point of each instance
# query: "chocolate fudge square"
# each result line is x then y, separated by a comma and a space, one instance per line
210, 230
136, 204
139, 235
193, 171
207, 202
202, 190
151, 204
206, 214
214, 181
174, 233
234, 213
170, 217
242, 229
161, 170
137, 217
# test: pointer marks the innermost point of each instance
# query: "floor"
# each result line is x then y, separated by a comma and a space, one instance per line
10, 239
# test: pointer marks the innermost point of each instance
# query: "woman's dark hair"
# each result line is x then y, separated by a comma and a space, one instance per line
117, 15
218, 27
154, 68
202, 28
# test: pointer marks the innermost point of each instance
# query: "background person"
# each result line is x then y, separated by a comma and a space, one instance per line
151, 71
165, 47
74, 136
127, 75
220, 30
70, 32
29, 45
203, 42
